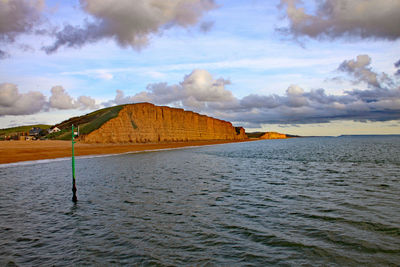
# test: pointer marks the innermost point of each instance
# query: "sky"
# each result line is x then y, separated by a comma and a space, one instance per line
317, 67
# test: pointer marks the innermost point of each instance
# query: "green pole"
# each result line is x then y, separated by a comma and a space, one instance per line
74, 198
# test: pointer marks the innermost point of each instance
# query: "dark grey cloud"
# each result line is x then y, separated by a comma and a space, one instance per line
75, 37
260, 101
130, 23
397, 65
362, 105
3, 54
374, 95
206, 26
374, 19
19, 16
361, 70
319, 96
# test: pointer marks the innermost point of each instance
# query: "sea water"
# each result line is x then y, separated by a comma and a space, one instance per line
293, 202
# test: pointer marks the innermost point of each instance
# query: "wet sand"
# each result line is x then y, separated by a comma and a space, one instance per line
16, 151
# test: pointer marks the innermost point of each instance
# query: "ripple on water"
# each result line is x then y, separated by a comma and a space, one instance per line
319, 201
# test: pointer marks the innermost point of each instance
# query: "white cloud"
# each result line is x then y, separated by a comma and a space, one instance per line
86, 102
60, 99
295, 96
14, 103
104, 75
204, 88
8, 94
197, 90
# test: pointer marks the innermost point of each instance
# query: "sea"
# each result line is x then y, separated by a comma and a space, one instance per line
332, 201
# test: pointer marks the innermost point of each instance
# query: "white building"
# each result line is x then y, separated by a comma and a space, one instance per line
54, 130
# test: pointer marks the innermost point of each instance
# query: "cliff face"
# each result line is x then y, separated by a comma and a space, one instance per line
145, 122
273, 135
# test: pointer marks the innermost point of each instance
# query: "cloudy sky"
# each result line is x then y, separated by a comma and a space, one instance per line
318, 67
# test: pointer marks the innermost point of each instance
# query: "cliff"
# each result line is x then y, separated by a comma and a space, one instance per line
145, 122
273, 135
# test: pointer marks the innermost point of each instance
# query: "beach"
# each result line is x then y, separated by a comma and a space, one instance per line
16, 151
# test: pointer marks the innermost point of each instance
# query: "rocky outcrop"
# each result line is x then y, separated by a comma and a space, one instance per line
273, 135
145, 122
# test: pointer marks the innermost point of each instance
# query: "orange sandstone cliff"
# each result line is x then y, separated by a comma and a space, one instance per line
145, 122
273, 135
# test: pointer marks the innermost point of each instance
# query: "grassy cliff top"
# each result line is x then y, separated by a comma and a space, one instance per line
259, 134
87, 123
255, 134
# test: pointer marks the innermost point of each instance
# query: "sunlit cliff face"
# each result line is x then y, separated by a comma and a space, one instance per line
142, 123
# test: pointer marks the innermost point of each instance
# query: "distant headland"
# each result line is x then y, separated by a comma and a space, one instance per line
270, 135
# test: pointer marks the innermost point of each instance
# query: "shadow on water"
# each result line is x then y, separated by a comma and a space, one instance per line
73, 209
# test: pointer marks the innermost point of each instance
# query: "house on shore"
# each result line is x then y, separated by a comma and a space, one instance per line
54, 130
34, 132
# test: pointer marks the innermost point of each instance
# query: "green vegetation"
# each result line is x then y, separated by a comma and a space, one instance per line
259, 134
255, 134
98, 118
20, 129
62, 135
87, 123
134, 126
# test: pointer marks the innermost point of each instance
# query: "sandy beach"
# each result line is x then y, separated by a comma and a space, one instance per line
16, 151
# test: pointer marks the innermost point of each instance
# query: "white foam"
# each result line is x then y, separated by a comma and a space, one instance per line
32, 162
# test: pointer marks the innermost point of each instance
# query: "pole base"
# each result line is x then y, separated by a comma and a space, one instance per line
74, 198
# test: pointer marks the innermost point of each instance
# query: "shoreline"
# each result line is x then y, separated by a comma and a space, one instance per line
20, 151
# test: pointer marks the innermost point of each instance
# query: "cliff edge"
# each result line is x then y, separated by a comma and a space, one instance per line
145, 122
